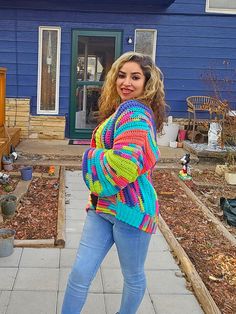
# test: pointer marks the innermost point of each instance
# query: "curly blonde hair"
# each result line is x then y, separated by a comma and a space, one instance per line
153, 96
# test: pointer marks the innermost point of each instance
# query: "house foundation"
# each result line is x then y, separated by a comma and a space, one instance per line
17, 114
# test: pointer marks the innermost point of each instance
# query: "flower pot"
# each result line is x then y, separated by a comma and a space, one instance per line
8, 205
229, 210
26, 173
230, 178
173, 144
7, 166
182, 135
6, 242
170, 132
180, 144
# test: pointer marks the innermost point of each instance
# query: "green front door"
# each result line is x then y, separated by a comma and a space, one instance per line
93, 53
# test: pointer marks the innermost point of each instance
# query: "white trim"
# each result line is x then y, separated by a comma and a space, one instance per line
41, 29
211, 9
154, 31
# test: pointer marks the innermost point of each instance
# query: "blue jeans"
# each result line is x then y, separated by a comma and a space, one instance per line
100, 232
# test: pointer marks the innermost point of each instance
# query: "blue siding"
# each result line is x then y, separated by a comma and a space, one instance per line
7, 57
189, 43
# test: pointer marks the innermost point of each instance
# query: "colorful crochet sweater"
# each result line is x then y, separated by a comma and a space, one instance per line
117, 168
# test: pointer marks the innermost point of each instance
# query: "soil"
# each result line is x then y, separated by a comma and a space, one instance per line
5, 236
36, 215
213, 256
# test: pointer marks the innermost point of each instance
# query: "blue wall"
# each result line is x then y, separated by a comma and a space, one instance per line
189, 43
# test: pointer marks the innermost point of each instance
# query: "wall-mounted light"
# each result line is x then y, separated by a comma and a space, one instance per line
129, 40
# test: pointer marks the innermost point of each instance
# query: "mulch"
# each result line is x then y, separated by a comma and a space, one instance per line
212, 255
36, 215
210, 190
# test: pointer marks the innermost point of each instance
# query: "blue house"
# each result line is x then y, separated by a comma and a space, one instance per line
57, 54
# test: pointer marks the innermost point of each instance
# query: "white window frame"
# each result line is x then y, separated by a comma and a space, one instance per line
41, 29
218, 10
154, 31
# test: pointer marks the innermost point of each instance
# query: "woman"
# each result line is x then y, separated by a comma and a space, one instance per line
123, 207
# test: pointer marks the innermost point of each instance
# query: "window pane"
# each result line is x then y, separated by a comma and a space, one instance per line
95, 56
87, 96
145, 42
49, 68
222, 4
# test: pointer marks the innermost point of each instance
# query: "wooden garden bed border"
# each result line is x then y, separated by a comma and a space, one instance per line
203, 295
60, 238
35, 243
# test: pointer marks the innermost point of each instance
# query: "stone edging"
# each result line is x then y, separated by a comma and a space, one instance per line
205, 299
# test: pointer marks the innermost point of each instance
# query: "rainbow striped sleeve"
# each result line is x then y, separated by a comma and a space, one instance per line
134, 151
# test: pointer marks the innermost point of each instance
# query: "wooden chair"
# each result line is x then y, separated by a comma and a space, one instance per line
204, 109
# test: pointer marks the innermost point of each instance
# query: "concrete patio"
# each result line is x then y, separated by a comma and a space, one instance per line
34, 280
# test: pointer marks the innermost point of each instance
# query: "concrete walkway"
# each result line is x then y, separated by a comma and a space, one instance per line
32, 281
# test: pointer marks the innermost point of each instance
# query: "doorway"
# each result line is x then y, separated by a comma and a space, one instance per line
93, 53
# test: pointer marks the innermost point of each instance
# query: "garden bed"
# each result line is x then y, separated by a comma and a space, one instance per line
39, 208
36, 216
213, 256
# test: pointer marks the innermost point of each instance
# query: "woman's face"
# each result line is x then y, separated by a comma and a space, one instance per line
130, 81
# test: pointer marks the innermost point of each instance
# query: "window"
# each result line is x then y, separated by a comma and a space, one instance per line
48, 70
221, 6
145, 42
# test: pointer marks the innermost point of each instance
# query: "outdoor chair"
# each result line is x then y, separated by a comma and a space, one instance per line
204, 109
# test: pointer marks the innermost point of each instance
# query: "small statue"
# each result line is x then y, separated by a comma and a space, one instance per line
13, 153
4, 178
51, 170
185, 173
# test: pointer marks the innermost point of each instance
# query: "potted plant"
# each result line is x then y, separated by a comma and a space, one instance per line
6, 242
26, 173
8, 205
7, 163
